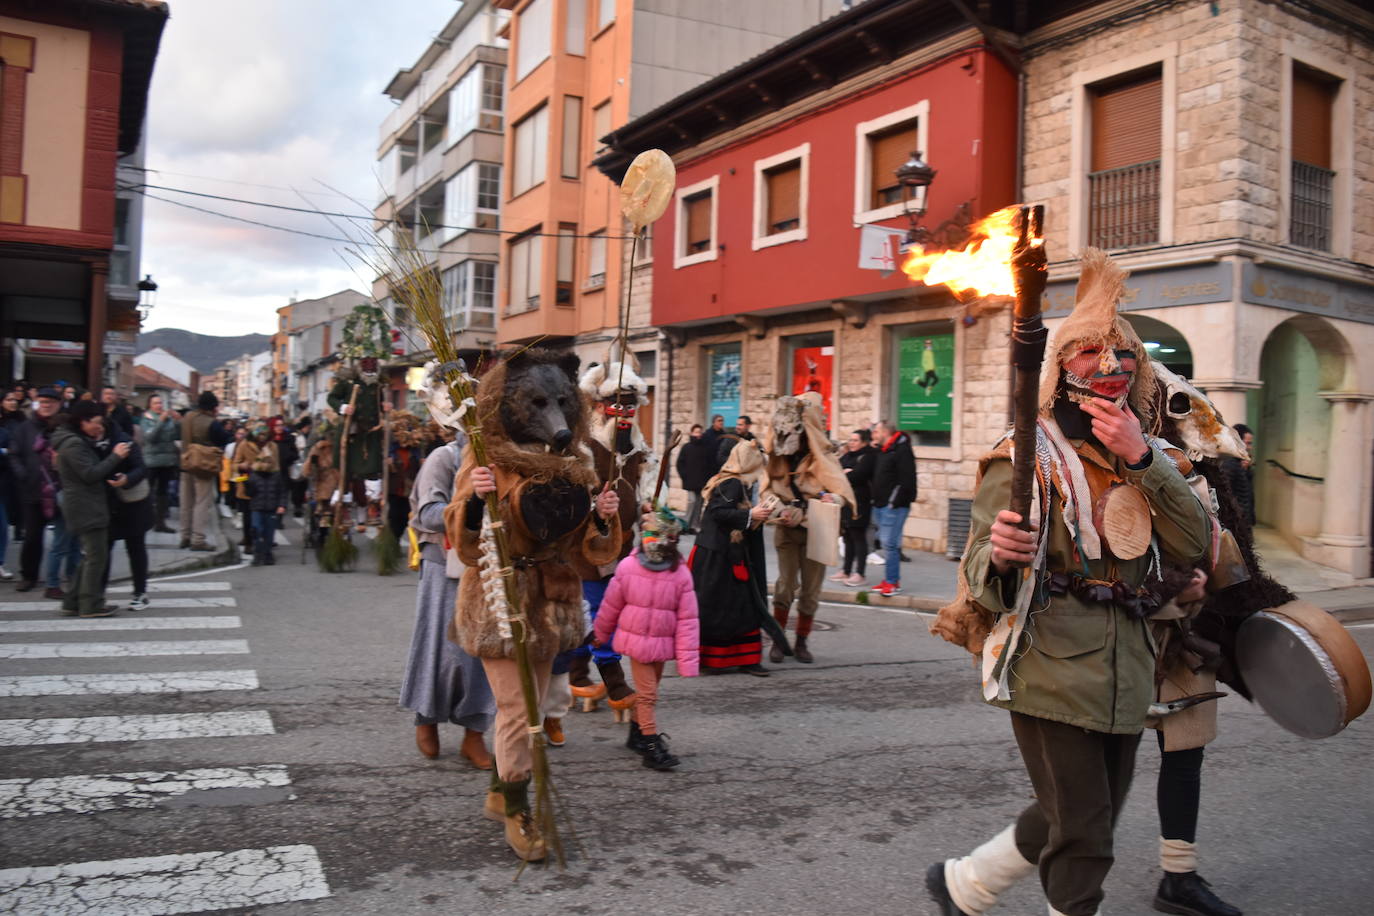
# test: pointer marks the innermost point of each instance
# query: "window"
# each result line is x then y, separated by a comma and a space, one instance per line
526, 256
880, 146
605, 13
472, 199
572, 134
1123, 178
601, 124
534, 36
1312, 100
530, 152
483, 311
475, 101
575, 29
488, 186
922, 390
811, 367
493, 93
696, 222
644, 249
596, 259
780, 194
567, 244
469, 294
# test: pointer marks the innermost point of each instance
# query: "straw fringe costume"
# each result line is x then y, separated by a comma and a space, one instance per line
1065, 646
801, 466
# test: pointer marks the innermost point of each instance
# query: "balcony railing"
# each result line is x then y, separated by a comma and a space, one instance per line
1310, 223
1124, 206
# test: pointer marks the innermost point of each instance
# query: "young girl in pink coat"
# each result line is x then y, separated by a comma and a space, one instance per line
651, 608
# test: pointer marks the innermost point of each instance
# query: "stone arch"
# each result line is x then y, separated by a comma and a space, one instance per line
1166, 343
1303, 358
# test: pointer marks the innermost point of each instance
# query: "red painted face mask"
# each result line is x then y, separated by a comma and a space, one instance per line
1099, 372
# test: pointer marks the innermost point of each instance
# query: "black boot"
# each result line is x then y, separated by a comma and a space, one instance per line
656, 756
1188, 894
939, 891
635, 741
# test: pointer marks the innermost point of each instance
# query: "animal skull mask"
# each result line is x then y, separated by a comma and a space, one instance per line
789, 433
1195, 419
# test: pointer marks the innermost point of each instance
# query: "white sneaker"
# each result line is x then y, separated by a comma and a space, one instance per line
5, 574
225, 511
876, 559
238, 522
140, 603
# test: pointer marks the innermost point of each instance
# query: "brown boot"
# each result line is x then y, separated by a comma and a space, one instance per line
522, 834
553, 730
799, 649
494, 808
776, 653
427, 739
475, 750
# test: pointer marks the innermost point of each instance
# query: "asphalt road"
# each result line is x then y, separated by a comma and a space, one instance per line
823, 789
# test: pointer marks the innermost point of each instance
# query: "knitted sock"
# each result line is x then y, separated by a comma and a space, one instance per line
1177, 856
517, 796
977, 880
804, 625
780, 615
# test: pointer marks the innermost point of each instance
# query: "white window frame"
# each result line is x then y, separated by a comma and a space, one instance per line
762, 239
1081, 138
530, 284
596, 251
1342, 146
680, 256
863, 160
540, 17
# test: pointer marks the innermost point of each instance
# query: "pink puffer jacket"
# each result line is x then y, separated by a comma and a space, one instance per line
653, 615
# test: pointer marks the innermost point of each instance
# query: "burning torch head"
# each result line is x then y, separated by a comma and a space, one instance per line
1096, 354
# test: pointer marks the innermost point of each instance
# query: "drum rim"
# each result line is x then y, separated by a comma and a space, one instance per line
1323, 659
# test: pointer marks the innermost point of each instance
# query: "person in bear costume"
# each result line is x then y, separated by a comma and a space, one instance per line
533, 422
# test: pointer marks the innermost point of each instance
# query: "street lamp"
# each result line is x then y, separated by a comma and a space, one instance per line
915, 176
147, 296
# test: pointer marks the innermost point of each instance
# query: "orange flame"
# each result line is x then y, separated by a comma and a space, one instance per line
980, 268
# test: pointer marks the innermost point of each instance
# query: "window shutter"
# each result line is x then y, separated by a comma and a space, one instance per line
1126, 121
1312, 98
784, 195
698, 222
888, 150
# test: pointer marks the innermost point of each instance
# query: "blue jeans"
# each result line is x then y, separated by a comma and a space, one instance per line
264, 530
890, 523
63, 546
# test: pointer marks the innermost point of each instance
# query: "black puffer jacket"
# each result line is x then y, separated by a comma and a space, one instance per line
266, 491
894, 478
859, 467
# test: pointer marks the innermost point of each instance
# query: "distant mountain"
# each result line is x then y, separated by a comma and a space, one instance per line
203, 351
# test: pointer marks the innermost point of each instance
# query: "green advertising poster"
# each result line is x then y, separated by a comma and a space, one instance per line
925, 382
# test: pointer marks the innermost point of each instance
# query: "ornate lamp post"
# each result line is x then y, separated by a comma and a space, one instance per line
147, 296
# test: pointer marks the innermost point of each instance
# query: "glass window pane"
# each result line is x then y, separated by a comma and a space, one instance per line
533, 37
605, 13
575, 36
596, 259
488, 186
572, 134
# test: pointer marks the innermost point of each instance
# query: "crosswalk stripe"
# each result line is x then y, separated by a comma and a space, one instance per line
31, 650
154, 885
74, 685
15, 607
79, 625
107, 791
156, 586
31, 732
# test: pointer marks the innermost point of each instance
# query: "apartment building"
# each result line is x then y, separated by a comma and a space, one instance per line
578, 70
1216, 149
439, 160
76, 75
312, 330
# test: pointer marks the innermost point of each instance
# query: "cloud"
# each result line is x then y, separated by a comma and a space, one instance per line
266, 101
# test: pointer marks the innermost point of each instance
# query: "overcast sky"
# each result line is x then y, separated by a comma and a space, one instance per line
260, 100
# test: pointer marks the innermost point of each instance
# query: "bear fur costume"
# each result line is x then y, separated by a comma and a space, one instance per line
533, 421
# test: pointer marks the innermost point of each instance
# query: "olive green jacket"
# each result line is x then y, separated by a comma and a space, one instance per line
1084, 663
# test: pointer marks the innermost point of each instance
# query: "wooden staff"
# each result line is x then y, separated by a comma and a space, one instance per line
343, 457
386, 468
663, 466
1028, 336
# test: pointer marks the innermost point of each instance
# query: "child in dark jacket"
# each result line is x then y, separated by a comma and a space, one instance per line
651, 608
266, 502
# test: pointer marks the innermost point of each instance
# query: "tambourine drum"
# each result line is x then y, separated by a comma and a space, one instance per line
1304, 669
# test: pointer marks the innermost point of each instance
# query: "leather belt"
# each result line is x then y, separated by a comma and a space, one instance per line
1138, 603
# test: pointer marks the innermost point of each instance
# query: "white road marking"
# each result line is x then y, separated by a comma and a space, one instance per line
18, 650
80, 625
187, 883
878, 607
159, 585
74, 685
108, 791
30, 732
15, 607
218, 570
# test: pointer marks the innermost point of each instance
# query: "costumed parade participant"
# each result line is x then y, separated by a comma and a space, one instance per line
651, 608
1057, 612
533, 426
729, 570
622, 458
409, 437
357, 398
801, 466
442, 682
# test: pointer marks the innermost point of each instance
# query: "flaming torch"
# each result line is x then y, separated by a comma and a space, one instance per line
1006, 257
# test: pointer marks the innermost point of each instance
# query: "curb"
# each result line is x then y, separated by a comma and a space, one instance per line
225, 556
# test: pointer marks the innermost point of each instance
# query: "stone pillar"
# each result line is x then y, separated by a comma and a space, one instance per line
1345, 507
